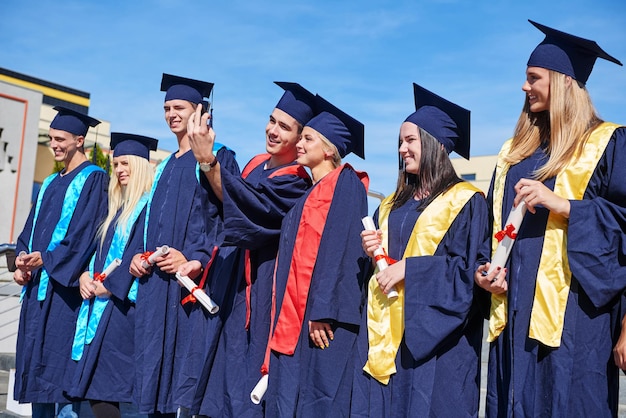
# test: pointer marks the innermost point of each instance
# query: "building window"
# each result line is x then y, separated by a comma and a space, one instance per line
469, 177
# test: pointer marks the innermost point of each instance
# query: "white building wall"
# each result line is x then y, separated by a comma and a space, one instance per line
19, 119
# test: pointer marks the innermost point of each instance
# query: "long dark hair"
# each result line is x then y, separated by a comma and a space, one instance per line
436, 174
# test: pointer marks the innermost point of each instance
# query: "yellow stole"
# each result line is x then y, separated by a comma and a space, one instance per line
554, 276
385, 318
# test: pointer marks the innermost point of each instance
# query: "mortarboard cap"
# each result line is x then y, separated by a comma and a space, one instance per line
181, 88
72, 121
129, 144
567, 54
447, 122
341, 129
297, 102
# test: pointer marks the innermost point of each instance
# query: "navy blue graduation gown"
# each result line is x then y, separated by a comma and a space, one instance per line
254, 208
106, 369
314, 382
579, 378
205, 328
438, 361
185, 216
46, 328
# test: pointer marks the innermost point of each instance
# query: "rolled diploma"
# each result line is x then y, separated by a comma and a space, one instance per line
259, 390
22, 254
107, 271
162, 250
198, 293
504, 247
381, 263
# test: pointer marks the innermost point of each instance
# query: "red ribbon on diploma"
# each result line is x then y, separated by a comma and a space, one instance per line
508, 231
384, 256
146, 255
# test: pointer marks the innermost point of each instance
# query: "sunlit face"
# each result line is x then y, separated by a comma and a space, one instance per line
281, 134
64, 144
537, 88
311, 150
410, 147
121, 169
177, 113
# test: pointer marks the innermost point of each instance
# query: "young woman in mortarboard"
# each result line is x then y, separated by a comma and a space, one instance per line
419, 354
319, 276
551, 322
103, 348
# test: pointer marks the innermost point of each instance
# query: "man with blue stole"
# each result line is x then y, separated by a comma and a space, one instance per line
254, 206
55, 247
185, 216
103, 347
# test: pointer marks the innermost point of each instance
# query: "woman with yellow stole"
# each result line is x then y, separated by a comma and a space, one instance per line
552, 316
419, 353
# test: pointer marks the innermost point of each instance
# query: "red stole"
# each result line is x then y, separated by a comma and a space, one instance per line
308, 238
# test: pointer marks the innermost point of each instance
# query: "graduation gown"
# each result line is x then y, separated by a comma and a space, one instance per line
46, 328
185, 216
254, 206
206, 327
438, 361
579, 378
106, 369
313, 382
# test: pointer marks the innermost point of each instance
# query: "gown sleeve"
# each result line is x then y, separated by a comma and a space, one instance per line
596, 240
338, 277
205, 221
253, 214
439, 289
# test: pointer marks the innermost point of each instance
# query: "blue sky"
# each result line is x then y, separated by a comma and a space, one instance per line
361, 55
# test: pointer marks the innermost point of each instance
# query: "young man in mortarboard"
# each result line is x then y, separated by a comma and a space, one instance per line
254, 206
57, 240
186, 217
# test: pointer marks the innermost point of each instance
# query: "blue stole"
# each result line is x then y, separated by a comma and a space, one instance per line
86, 324
72, 194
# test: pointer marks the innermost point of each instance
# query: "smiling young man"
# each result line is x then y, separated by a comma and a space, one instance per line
58, 240
186, 217
254, 206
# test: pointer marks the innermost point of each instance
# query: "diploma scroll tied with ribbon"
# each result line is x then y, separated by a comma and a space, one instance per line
198, 293
379, 255
107, 271
149, 258
506, 237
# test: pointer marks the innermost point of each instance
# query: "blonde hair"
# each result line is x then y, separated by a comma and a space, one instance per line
336, 160
565, 128
139, 182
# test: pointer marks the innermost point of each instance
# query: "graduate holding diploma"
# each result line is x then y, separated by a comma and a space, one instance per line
552, 321
185, 216
103, 348
418, 355
255, 204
